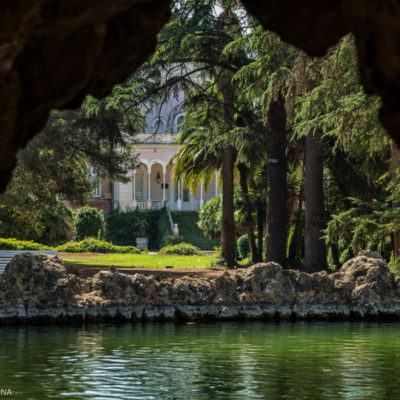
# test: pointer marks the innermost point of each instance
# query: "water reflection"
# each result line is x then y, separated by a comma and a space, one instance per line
204, 361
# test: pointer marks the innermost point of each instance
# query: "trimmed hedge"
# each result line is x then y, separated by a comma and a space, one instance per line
95, 246
123, 227
181, 249
15, 244
84, 246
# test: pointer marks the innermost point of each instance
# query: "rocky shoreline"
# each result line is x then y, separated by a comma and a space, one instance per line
41, 288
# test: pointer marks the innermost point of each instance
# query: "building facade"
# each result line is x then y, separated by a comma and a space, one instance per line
151, 186
102, 198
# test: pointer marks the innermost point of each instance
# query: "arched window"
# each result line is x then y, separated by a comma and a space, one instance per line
140, 174
158, 125
95, 181
178, 122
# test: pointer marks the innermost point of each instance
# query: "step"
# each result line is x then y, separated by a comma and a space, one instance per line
191, 233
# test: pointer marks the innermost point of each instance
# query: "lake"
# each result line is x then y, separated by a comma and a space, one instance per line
302, 360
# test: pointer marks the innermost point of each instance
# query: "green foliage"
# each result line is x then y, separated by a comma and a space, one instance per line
243, 246
172, 240
54, 166
365, 225
57, 223
95, 246
15, 244
183, 249
88, 223
122, 227
345, 255
30, 209
210, 217
395, 265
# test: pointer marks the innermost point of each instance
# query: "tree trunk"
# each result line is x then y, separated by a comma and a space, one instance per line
276, 184
394, 160
295, 244
228, 222
314, 246
243, 170
228, 243
260, 233
335, 254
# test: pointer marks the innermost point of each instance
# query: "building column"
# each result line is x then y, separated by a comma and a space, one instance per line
201, 194
148, 189
134, 189
179, 202
163, 192
116, 195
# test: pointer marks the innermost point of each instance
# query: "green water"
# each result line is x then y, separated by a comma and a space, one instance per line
203, 361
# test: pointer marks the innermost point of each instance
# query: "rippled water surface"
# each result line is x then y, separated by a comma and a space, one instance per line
202, 361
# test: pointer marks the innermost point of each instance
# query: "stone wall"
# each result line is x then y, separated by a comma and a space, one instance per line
40, 287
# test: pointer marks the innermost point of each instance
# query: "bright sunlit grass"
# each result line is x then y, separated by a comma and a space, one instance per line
138, 260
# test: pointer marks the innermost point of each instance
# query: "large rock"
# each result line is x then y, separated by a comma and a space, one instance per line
38, 285
41, 279
369, 278
111, 285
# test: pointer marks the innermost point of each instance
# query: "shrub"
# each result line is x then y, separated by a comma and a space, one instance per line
58, 221
182, 249
172, 240
14, 244
88, 223
243, 246
210, 218
95, 246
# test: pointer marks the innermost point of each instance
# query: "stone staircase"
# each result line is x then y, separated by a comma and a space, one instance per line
187, 223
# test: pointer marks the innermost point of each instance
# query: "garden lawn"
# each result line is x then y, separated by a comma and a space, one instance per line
138, 260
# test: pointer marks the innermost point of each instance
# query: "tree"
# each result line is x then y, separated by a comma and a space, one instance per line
314, 244
394, 165
54, 167
343, 119
268, 80
277, 189
191, 55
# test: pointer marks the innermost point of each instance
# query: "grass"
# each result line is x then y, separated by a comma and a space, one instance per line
138, 260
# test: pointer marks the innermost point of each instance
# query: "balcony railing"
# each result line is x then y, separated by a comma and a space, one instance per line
142, 205
158, 204
153, 205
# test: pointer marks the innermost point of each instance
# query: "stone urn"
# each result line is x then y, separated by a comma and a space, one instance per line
142, 242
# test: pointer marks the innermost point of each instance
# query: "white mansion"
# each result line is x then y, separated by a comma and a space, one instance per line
151, 186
